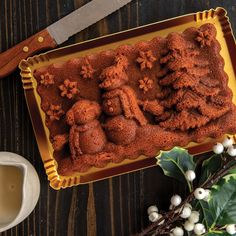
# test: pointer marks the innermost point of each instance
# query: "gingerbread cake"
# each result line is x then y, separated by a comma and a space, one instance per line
136, 100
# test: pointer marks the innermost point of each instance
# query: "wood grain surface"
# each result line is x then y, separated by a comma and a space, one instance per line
115, 206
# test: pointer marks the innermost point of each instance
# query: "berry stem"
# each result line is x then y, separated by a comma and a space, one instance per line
171, 216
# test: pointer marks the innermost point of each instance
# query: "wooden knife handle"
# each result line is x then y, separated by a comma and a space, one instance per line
10, 59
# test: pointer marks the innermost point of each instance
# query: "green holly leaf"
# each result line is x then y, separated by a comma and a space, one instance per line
209, 167
205, 214
222, 203
233, 171
206, 217
175, 163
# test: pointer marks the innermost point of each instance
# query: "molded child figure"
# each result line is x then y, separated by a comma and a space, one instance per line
120, 102
86, 135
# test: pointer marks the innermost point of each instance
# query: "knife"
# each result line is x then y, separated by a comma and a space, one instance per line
58, 32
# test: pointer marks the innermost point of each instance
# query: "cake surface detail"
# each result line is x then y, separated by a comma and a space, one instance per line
136, 100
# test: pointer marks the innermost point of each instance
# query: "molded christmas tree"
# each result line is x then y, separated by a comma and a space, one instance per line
190, 98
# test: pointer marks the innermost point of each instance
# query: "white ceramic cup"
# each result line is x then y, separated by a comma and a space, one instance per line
29, 189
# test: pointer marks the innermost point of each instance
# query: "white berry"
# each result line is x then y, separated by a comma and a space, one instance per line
153, 217
186, 212
182, 207
230, 229
152, 209
188, 226
231, 151
199, 193
159, 217
208, 192
177, 231
175, 200
227, 142
188, 205
194, 217
199, 229
190, 175
171, 207
218, 148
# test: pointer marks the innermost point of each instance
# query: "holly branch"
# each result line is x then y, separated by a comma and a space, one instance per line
166, 223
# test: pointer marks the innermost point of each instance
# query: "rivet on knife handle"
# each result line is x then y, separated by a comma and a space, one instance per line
10, 59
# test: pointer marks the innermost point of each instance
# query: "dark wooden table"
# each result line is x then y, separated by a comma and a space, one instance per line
115, 206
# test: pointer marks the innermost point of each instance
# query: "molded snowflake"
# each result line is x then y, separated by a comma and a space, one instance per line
55, 112
87, 70
47, 79
146, 59
69, 89
145, 84
204, 38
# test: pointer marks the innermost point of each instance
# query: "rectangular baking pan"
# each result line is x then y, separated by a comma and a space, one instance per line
217, 16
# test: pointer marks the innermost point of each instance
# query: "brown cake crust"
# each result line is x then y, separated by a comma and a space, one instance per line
136, 99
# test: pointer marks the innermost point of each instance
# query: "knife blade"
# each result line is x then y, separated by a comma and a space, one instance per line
58, 32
